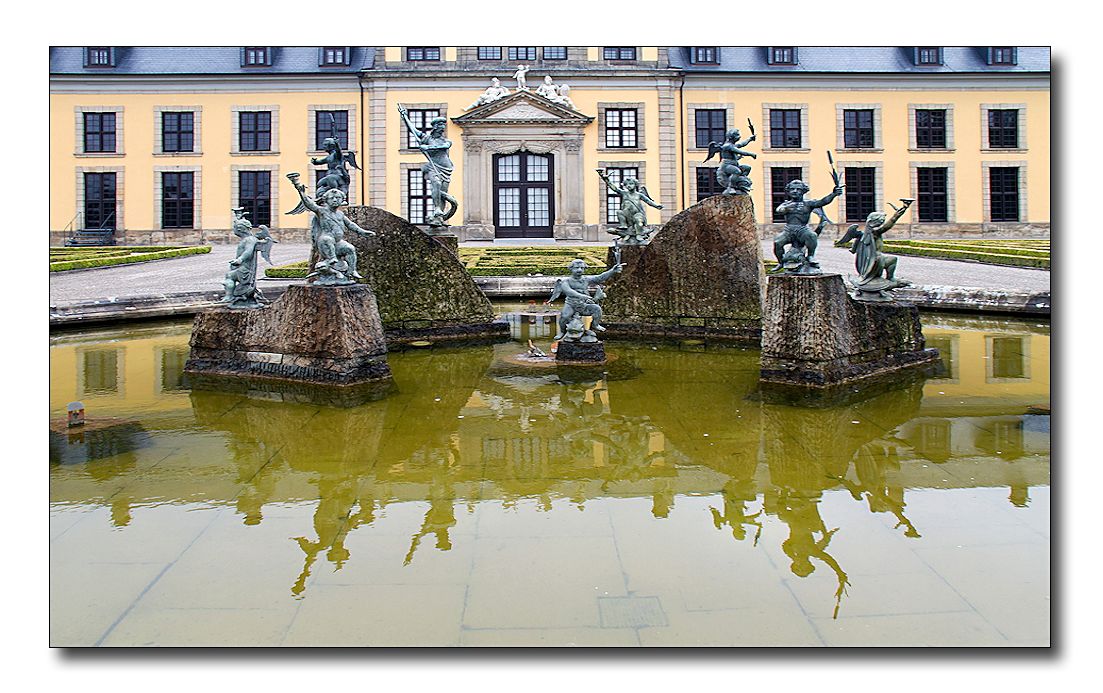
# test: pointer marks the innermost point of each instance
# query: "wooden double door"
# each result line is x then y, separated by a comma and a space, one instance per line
524, 195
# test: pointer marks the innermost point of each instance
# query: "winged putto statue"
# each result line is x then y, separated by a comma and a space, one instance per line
337, 164
731, 174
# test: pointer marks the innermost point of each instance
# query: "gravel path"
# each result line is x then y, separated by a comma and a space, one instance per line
198, 272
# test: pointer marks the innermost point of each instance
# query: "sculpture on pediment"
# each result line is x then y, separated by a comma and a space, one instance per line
519, 75
492, 93
632, 213
556, 93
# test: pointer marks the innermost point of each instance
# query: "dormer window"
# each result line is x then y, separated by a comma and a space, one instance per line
423, 53
705, 55
782, 55
928, 55
1002, 55
99, 56
335, 55
256, 56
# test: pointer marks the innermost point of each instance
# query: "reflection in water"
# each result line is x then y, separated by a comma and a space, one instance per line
465, 428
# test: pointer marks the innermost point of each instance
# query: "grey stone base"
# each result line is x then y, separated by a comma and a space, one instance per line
280, 390
318, 335
585, 353
816, 336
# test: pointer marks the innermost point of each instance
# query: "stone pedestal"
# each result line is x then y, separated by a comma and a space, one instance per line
700, 276
814, 335
316, 335
580, 353
420, 286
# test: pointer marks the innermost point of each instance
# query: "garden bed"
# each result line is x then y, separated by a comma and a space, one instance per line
1033, 253
65, 259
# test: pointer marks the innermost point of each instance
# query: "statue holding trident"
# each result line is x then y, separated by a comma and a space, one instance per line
437, 169
337, 167
337, 266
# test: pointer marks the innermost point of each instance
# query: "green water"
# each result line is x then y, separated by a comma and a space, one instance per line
487, 504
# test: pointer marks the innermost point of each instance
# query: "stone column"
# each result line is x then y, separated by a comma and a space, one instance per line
477, 219
668, 153
572, 176
377, 145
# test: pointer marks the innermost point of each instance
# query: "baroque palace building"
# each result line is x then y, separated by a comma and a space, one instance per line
158, 144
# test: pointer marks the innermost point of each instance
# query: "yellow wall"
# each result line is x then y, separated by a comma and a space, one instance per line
895, 137
291, 151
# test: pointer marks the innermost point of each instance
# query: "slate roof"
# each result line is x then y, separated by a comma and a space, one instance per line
206, 60
871, 59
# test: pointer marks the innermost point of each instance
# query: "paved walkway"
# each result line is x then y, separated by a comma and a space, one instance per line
205, 272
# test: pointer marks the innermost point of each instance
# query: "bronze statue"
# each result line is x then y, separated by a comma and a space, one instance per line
731, 174
337, 164
869, 259
337, 265
241, 280
632, 214
437, 168
575, 290
800, 258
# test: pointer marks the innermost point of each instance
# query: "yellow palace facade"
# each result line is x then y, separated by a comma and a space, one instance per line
156, 145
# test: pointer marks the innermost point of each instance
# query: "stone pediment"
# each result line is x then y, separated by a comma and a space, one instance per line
523, 107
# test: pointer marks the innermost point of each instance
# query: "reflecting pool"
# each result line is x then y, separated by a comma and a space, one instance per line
490, 504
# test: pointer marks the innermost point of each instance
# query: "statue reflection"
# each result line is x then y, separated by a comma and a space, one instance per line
870, 464
737, 493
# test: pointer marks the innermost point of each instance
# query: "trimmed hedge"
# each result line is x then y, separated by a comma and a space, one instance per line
987, 247
981, 255
121, 255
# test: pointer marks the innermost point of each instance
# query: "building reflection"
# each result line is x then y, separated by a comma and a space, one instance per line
463, 430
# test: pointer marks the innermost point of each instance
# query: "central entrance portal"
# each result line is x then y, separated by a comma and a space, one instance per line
524, 195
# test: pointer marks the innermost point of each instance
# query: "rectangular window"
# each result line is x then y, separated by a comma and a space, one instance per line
861, 194
620, 128
779, 178
522, 53
256, 56
1003, 128
709, 125
785, 128
177, 200
421, 118
334, 55
707, 185
858, 129
783, 55
99, 56
99, 201
555, 52
930, 129
618, 53
423, 53
612, 200
490, 53
928, 55
255, 195
1003, 187
323, 127
101, 371
932, 189
99, 132
1003, 55
705, 55
1008, 357
418, 200
255, 131
178, 131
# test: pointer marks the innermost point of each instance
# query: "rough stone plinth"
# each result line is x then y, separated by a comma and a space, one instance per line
701, 275
323, 335
814, 335
420, 286
580, 352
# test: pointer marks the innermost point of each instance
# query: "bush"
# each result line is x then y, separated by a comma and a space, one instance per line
988, 256
119, 255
